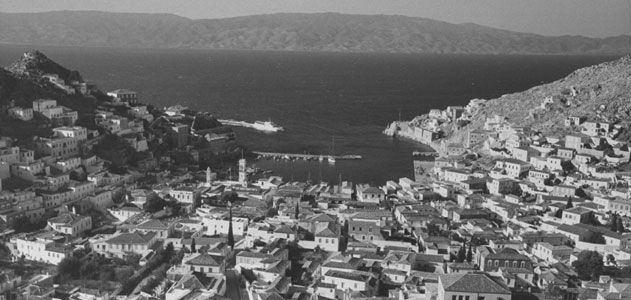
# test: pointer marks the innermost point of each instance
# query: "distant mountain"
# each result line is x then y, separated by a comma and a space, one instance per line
303, 32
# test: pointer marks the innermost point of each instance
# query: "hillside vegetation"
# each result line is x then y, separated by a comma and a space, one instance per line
600, 92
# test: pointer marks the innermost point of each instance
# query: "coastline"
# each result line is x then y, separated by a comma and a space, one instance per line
394, 130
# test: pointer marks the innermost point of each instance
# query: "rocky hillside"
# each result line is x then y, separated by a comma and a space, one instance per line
306, 32
599, 92
21, 83
34, 64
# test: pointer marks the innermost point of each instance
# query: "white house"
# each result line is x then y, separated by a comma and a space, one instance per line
370, 194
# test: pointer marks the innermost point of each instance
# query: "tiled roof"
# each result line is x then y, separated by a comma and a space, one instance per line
472, 283
153, 224
372, 190
376, 214
204, 260
347, 275
188, 281
507, 253
283, 229
131, 238
338, 265
253, 254
330, 231
67, 219
573, 229
322, 218
578, 210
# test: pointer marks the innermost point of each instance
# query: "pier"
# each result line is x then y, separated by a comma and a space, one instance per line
294, 156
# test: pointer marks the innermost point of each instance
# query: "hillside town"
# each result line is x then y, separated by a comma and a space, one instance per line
123, 202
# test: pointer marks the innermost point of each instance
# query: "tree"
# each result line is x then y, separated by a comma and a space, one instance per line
589, 265
569, 203
597, 238
620, 225
132, 259
611, 259
593, 220
230, 234
154, 204
462, 253
24, 224
613, 224
559, 213
433, 229
193, 248
297, 211
88, 269
122, 274
271, 212
470, 254
169, 251
69, 268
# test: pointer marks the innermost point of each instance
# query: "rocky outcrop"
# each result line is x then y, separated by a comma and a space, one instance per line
601, 92
34, 64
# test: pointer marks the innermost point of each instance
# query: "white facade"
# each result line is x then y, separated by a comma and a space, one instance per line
220, 225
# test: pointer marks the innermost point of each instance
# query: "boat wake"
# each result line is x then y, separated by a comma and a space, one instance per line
265, 126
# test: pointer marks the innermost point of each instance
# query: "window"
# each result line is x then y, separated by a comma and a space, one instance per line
454, 297
466, 297
460, 297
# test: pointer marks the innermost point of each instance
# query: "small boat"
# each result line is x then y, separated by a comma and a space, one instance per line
331, 159
266, 126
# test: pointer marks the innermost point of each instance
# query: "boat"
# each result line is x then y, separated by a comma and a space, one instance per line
266, 126
331, 159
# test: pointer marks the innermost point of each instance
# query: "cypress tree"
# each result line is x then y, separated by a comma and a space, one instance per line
569, 203
469, 254
620, 225
193, 247
230, 234
462, 253
297, 211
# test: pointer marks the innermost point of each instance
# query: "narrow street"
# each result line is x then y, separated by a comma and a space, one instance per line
233, 283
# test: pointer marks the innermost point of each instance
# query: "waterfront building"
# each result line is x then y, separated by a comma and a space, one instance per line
124, 95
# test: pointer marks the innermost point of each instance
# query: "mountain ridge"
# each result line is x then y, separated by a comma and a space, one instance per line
290, 31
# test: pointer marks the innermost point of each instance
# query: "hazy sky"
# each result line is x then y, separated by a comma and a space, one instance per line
549, 17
